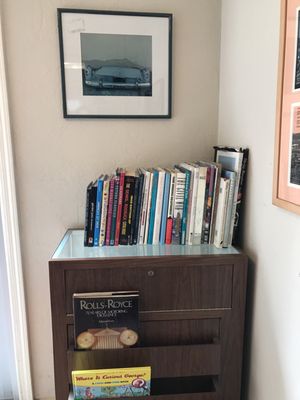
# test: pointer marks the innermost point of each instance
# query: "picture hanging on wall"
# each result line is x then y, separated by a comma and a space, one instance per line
286, 188
115, 64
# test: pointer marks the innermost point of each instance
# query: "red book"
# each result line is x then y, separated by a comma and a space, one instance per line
120, 204
109, 211
169, 230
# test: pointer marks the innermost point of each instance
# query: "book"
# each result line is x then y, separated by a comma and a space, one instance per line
164, 214
221, 212
231, 175
105, 320
215, 199
139, 207
127, 208
178, 207
114, 211
159, 203
186, 197
170, 211
152, 206
98, 211
144, 206
111, 383
92, 213
231, 159
200, 205
121, 173
105, 194
148, 206
134, 222
109, 210
87, 213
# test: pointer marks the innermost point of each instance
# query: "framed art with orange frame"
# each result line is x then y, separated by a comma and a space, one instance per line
286, 185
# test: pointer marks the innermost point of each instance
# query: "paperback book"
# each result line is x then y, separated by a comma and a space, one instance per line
111, 383
105, 320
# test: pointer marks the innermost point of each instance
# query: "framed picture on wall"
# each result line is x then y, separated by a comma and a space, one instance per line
286, 188
115, 64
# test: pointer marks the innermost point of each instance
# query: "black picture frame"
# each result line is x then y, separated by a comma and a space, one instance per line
154, 90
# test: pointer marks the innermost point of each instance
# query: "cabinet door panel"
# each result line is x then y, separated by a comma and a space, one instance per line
161, 288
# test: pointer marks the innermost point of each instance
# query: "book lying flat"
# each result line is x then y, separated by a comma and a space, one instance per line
105, 320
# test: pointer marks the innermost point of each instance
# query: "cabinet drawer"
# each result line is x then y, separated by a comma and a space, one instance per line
161, 288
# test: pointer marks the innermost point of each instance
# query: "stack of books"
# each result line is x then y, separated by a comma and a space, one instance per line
191, 203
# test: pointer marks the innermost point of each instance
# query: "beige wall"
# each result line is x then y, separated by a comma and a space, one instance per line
249, 56
56, 158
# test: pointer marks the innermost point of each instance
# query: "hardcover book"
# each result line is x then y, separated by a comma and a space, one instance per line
105, 320
111, 383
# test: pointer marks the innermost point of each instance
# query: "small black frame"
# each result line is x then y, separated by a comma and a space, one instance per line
105, 92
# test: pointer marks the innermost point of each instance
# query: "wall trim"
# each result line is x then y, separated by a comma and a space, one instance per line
8, 205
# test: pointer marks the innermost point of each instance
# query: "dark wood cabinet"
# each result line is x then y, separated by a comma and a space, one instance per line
192, 306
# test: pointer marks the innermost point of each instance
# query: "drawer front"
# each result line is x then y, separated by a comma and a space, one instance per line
161, 288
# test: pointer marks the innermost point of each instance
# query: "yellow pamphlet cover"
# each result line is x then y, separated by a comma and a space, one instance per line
109, 383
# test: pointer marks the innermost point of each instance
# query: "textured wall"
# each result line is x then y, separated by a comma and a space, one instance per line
56, 158
248, 80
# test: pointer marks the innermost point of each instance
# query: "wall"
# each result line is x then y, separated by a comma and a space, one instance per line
249, 57
56, 158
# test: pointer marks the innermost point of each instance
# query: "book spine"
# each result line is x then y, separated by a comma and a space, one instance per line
120, 204
114, 211
208, 210
139, 208
129, 180
98, 212
144, 207
104, 212
136, 190
148, 208
152, 208
178, 207
163, 226
215, 200
192, 205
169, 225
199, 205
221, 212
158, 208
109, 211
241, 189
130, 209
185, 206
229, 212
87, 214
205, 224
92, 217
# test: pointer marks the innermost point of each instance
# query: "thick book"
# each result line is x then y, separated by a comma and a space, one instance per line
144, 206
105, 195
126, 219
186, 197
170, 211
98, 211
152, 207
121, 173
200, 205
159, 203
178, 207
229, 218
92, 214
164, 214
215, 199
105, 320
114, 211
109, 211
221, 212
148, 206
87, 213
111, 383
138, 207
136, 191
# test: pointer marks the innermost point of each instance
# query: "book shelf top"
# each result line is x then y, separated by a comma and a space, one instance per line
71, 247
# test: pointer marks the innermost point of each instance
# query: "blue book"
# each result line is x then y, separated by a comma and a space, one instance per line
164, 214
98, 211
185, 203
152, 207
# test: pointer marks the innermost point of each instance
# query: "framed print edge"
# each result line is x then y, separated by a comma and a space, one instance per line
169, 54
276, 200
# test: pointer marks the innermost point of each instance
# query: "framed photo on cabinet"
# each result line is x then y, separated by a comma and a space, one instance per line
286, 185
115, 64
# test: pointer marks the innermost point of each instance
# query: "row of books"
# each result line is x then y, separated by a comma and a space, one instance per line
192, 203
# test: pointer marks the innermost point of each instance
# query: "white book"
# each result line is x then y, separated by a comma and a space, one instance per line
232, 161
200, 205
148, 206
218, 169
143, 214
170, 211
178, 207
158, 207
221, 212
230, 205
105, 194
192, 201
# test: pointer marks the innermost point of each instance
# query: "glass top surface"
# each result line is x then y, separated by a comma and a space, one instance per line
71, 247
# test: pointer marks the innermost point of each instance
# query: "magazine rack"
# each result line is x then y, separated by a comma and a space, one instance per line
192, 305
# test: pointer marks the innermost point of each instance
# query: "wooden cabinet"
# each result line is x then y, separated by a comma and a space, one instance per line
192, 305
